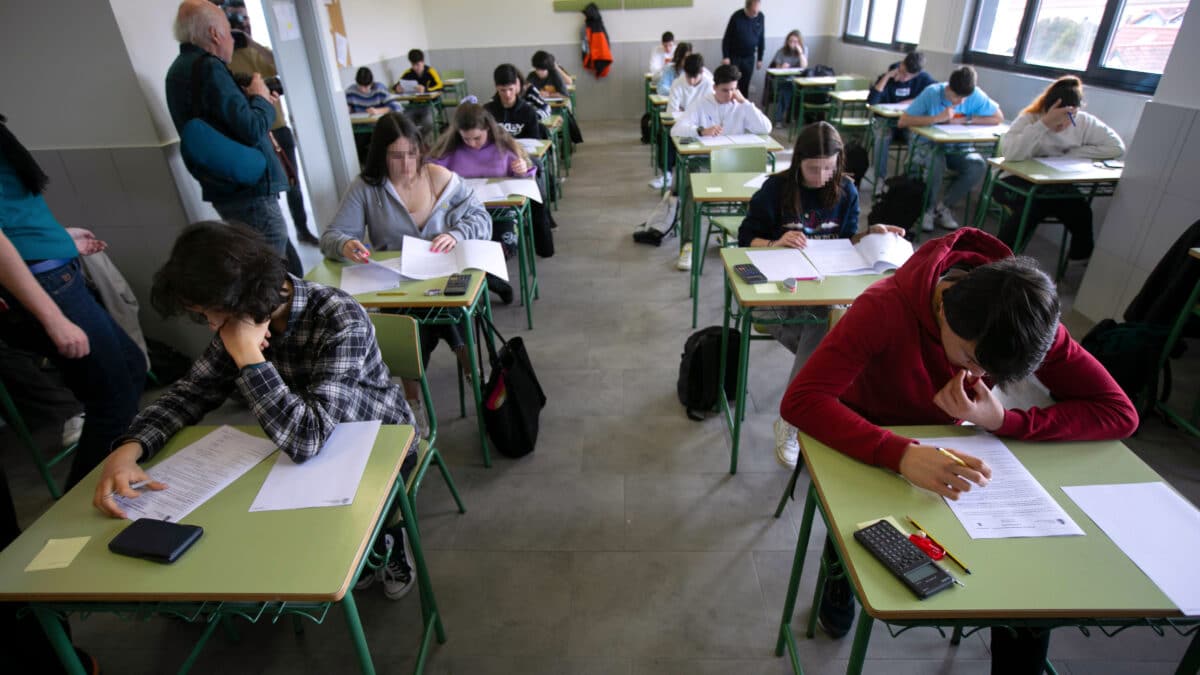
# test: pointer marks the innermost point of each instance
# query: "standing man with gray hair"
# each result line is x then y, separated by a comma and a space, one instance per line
199, 84
744, 43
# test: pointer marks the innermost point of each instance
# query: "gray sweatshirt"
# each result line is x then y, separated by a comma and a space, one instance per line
377, 214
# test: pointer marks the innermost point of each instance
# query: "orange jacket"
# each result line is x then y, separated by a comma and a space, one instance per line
597, 56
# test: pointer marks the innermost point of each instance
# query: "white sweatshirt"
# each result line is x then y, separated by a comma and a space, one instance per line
682, 95
734, 118
657, 59
1089, 138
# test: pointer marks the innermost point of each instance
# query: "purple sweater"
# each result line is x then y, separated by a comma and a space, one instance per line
486, 162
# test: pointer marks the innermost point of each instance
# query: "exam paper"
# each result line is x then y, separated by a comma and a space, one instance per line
1155, 527
529, 144
418, 261
330, 478
1014, 503
836, 257
712, 141
196, 473
371, 277
57, 554
901, 106
747, 139
494, 191
967, 129
756, 182
1067, 164
780, 264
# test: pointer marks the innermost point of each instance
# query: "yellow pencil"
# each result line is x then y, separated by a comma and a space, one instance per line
953, 456
948, 553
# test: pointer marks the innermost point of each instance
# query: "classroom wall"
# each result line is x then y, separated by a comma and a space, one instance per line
381, 32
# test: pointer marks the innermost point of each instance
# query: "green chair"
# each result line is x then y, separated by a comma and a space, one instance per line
453, 94
735, 160
13, 417
400, 343
724, 223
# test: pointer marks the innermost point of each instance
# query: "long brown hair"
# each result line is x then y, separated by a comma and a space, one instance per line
818, 139
1068, 89
388, 129
470, 116
789, 37
681, 52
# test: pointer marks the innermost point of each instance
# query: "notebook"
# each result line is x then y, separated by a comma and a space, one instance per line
874, 254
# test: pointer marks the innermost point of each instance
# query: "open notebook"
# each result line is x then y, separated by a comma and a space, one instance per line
417, 261
874, 254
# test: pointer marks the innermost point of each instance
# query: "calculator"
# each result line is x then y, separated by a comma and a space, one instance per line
456, 284
903, 559
749, 273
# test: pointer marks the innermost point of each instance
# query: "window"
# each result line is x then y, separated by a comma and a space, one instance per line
887, 23
1116, 43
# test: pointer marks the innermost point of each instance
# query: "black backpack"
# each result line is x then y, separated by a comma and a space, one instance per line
697, 385
857, 162
900, 203
1130, 352
646, 129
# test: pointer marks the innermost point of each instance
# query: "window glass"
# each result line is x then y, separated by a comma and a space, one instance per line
912, 15
883, 20
1063, 33
997, 26
1143, 35
856, 23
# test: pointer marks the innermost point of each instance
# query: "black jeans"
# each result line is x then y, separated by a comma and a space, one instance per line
295, 196
746, 65
1074, 213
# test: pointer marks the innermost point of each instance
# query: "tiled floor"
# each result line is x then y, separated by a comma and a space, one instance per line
621, 545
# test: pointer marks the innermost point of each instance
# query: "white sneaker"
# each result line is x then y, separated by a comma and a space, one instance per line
72, 428
944, 218
685, 259
659, 181
927, 222
787, 446
397, 575
420, 416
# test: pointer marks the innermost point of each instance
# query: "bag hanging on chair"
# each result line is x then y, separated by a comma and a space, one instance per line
512, 397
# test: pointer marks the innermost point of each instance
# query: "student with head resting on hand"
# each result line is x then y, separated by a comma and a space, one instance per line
926, 346
398, 194
1054, 125
812, 199
903, 81
672, 71
686, 91
791, 55
547, 76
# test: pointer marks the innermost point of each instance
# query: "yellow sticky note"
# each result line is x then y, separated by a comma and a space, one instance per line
713, 189
768, 287
57, 554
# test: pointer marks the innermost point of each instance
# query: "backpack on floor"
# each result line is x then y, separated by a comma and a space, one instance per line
899, 204
1130, 352
858, 160
698, 370
646, 129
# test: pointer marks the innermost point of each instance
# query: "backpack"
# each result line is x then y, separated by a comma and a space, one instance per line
857, 162
698, 366
900, 203
1130, 352
646, 129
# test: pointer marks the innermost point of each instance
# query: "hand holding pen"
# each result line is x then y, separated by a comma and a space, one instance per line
356, 251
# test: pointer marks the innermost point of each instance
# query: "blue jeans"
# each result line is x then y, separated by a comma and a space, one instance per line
883, 143
108, 381
970, 167
262, 215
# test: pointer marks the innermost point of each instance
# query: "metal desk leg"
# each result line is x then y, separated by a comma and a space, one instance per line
48, 618
476, 376
698, 245
365, 665
722, 402
739, 411
786, 639
429, 609
213, 622
862, 636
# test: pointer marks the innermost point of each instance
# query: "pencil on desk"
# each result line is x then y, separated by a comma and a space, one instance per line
939, 544
953, 456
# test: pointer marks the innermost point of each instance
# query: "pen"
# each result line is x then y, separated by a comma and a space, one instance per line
1071, 116
135, 486
940, 545
953, 456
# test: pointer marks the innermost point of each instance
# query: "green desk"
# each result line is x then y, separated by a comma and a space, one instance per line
457, 86
429, 310
885, 117
714, 194
543, 156
850, 113
812, 85
647, 90
515, 209
1075, 581
663, 122
776, 78
428, 99
1097, 181
936, 142
831, 291
234, 570
658, 105
560, 137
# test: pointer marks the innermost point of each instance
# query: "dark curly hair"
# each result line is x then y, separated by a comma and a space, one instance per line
220, 266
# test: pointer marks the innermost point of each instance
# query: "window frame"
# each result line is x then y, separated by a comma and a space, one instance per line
1094, 74
894, 45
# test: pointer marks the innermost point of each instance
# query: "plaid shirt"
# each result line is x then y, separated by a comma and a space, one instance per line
326, 368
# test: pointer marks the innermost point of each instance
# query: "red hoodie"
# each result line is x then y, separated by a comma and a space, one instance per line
883, 363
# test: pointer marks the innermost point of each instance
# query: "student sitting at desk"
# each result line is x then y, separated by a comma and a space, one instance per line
476, 147
660, 58
791, 55
957, 101
925, 346
398, 194
813, 199
510, 109
547, 76
1054, 126
368, 96
685, 92
425, 76
670, 73
903, 81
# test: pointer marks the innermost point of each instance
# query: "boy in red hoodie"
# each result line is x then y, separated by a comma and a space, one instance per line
922, 347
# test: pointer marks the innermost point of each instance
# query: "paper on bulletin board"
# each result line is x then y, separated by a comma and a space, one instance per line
286, 21
337, 26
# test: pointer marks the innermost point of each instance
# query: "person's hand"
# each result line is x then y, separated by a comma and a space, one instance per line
120, 471
68, 339
376, 111
245, 340
519, 167
886, 229
85, 241
969, 398
257, 87
420, 89
926, 467
724, 62
737, 96
356, 251
758, 65
891, 74
714, 130
792, 239
273, 98
443, 243
946, 116
1058, 117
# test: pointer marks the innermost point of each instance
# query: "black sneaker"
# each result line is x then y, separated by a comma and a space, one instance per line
836, 613
397, 575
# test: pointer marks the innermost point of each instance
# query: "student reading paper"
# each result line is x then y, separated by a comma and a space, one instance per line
812, 199
925, 346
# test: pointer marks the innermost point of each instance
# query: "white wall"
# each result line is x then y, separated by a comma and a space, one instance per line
1179, 80
146, 29
379, 30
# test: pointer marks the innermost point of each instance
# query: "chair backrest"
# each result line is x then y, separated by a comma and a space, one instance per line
730, 160
400, 344
453, 74
852, 83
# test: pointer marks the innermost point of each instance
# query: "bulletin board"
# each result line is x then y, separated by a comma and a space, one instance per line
337, 28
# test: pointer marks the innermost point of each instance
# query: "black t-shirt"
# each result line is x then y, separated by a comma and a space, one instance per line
521, 120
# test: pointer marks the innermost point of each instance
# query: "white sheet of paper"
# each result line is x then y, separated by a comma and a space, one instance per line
901, 106
342, 49
967, 129
529, 144
196, 473
1158, 529
418, 261
836, 257
491, 191
286, 20
884, 252
57, 554
1067, 164
784, 263
785, 71
746, 139
713, 141
373, 276
756, 182
1014, 503
330, 478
